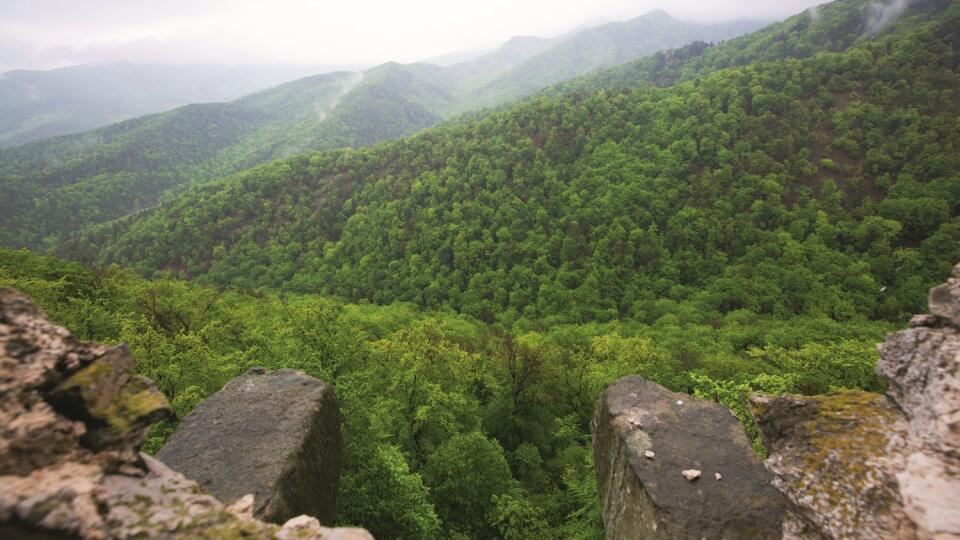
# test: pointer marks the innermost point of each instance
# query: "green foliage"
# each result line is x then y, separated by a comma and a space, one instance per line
757, 225
451, 426
515, 518
464, 475
381, 493
614, 204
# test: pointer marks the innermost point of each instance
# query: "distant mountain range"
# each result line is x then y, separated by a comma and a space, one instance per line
594, 49
38, 104
767, 174
119, 169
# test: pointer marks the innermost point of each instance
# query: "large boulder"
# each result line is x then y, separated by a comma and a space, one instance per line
674, 466
72, 418
860, 465
275, 435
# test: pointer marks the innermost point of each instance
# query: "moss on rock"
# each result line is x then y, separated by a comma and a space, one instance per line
115, 403
834, 456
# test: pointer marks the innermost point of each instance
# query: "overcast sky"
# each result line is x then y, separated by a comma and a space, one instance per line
51, 33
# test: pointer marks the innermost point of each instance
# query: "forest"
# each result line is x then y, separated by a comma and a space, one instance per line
453, 428
52, 187
752, 216
609, 205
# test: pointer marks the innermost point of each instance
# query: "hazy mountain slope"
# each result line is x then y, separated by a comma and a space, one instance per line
41, 104
128, 166
392, 101
52, 186
511, 53
591, 206
602, 47
449, 59
833, 26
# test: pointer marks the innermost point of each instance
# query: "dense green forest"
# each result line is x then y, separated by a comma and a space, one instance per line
453, 428
51, 188
751, 216
823, 185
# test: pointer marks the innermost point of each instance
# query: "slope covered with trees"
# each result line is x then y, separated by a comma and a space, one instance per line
823, 185
56, 186
50, 187
829, 27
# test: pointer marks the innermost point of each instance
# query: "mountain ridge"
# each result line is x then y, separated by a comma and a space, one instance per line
392, 100
40, 104
584, 203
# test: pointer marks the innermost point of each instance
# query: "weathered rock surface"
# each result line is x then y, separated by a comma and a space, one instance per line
860, 465
652, 498
72, 418
944, 300
835, 457
273, 434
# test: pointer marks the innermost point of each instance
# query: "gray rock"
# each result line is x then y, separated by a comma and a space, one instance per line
922, 368
862, 465
273, 434
835, 457
945, 299
72, 418
643, 498
64, 400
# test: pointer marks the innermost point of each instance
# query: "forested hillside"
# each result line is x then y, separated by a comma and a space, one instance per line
747, 217
822, 185
830, 27
51, 188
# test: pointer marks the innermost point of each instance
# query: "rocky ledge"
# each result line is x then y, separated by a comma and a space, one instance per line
73, 416
674, 466
844, 465
861, 465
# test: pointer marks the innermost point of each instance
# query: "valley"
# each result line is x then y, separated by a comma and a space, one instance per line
89, 176
507, 266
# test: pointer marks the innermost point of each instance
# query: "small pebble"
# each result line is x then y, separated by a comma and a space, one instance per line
679, 402
691, 474
717, 476
649, 454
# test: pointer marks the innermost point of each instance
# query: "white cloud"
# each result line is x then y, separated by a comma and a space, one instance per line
311, 31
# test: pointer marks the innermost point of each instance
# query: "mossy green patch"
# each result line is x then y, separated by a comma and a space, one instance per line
849, 432
115, 396
229, 530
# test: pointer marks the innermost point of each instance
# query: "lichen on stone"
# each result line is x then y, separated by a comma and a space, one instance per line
129, 406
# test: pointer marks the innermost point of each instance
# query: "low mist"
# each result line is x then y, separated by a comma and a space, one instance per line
45, 34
